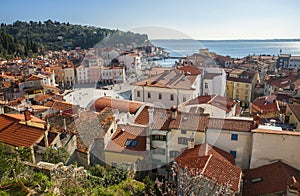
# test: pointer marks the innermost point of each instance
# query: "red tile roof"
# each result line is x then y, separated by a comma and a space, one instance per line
39, 98
59, 105
125, 132
190, 70
161, 118
213, 163
16, 134
33, 78
189, 121
215, 100
266, 104
296, 110
122, 105
171, 80
21, 117
283, 82
231, 124
271, 179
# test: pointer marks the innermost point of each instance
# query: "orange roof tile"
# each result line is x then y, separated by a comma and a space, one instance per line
125, 132
16, 134
59, 105
173, 79
215, 100
161, 118
266, 104
122, 105
188, 121
231, 124
213, 163
269, 179
33, 78
21, 117
190, 70
296, 110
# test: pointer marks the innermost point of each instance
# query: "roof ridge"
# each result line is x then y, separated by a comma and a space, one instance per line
211, 100
206, 164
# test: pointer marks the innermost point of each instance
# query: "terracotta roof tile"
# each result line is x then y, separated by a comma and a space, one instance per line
188, 121
215, 100
122, 105
33, 78
190, 70
16, 134
296, 110
266, 104
39, 98
21, 117
231, 124
213, 163
270, 179
125, 132
59, 105
173, 79
161, 118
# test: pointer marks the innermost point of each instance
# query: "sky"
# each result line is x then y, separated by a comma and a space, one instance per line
168, 19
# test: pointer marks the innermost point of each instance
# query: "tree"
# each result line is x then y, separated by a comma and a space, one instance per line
11, 164
52, 155
115, 176
98, 170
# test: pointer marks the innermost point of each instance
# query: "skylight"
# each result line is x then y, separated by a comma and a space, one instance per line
131, 143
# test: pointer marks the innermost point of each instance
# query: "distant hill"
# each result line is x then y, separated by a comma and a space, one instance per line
28, 38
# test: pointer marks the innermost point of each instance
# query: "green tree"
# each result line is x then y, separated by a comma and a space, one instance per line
98, 170
115, 176
52, 155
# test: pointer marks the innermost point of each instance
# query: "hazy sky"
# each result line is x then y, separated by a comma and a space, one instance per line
197, 19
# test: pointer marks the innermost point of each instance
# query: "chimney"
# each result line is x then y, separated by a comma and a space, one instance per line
65, 124
150, 112
256, 120
27, 116
174, 112
47, 127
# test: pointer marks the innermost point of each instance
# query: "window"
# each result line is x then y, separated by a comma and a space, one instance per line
184, 99
234, 136
247, 85
149, 95
159, 96
246, 98
174, 154
172, 97
205, 94
237, 91
131, 143
183, 131
182, 140
206, 85
233, 152
138, 93
159, 137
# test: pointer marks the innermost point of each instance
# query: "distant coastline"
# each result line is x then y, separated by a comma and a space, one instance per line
234, 48
231, 40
